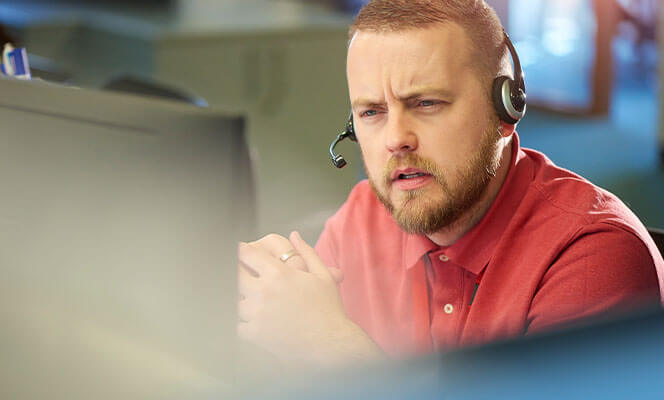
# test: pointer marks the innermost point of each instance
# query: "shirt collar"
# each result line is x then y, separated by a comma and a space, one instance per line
474, 249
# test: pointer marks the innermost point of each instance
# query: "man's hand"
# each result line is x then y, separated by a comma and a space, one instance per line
292, 309
278, 245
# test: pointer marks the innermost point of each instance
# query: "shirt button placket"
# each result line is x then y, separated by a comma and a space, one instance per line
447, 308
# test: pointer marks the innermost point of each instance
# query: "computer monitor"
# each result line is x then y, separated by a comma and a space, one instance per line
614, 357
119, 218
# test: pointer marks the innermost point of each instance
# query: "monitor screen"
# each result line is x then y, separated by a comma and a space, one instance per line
119, 220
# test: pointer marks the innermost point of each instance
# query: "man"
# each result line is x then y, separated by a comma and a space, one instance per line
459, 236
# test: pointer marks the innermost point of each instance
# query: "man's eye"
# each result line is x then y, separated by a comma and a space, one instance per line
368, 113
427, 103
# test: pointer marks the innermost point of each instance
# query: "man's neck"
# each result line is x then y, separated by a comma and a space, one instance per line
450, 234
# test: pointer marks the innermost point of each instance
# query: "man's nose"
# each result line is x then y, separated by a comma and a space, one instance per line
401, 137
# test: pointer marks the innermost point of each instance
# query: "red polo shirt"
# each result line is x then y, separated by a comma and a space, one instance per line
552, 248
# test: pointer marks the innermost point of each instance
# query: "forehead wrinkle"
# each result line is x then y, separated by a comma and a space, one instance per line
434, 71
425, 90
365, 70
408, 67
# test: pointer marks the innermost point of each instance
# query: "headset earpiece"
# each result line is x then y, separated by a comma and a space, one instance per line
509, 95
508, 102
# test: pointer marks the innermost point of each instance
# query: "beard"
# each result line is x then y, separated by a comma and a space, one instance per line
423, 211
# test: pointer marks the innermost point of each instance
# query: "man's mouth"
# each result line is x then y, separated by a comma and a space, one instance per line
411, 176
408, 173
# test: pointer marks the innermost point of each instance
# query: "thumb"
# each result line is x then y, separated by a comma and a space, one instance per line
314, 263
337, 274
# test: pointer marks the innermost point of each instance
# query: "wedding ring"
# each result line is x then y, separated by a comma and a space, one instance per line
290, 253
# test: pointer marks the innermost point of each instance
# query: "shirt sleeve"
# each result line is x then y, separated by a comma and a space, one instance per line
336, 228
325, 247
605, 270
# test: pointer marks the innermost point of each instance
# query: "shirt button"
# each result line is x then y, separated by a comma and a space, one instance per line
449, 309
443, 258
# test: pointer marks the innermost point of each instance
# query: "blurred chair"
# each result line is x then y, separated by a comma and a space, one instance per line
658, 237
148, 87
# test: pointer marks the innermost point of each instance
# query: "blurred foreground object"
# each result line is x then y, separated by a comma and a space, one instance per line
119, 224
611, 359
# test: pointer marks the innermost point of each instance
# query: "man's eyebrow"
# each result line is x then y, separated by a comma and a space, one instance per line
426, 91
410, 95
365, 102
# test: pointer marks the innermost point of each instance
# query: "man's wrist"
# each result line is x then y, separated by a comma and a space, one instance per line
350, 344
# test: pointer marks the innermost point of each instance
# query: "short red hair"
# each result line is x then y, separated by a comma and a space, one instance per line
477, 18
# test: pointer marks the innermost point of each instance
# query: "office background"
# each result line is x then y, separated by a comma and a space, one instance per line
591, 70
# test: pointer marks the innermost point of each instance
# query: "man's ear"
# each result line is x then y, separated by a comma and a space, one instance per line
506, 130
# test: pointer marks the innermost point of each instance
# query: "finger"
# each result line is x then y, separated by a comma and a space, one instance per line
258, 259
337, 275
247, 284
278, 246
244, 310
296, 261
314, 263
275, 244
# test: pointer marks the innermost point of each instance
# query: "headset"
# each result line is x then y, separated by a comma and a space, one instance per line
337, 159
508, 96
